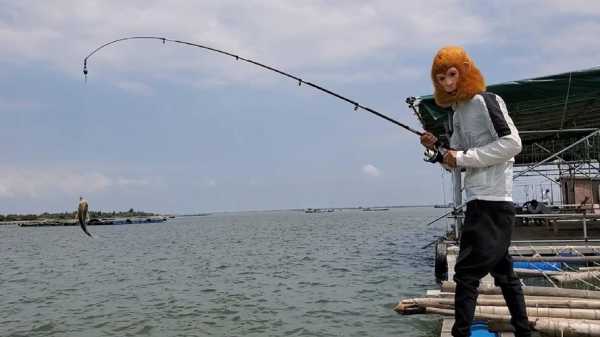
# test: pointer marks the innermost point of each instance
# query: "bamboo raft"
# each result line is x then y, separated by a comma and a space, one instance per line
577, 318
552, 311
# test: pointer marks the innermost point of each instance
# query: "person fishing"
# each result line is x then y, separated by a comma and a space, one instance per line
82, 215
483, 142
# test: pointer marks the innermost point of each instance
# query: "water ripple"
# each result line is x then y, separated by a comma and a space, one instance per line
233, 274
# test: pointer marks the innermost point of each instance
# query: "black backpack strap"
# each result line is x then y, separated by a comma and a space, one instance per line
496, 114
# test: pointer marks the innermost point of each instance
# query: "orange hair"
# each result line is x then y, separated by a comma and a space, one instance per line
470, 80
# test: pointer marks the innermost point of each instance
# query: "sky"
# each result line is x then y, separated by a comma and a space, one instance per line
175, 129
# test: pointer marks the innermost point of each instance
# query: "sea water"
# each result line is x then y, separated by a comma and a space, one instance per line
270, 273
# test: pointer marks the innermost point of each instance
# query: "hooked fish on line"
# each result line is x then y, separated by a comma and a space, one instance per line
82, 215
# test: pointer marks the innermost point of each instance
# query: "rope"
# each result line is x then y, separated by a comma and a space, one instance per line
577, 270
444, 193
581, 254
562, 122
538, 269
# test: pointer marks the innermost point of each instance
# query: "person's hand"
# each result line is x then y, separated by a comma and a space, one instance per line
428, 140
450, 158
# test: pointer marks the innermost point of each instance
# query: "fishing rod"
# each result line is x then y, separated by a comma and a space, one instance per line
264, 66
431, 155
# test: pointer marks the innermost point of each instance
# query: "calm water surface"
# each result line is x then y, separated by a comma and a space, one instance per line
283, 273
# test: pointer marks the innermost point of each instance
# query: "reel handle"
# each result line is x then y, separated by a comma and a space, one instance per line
437, 154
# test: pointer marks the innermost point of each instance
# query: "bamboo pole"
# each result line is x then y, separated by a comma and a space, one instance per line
568, 313
534, 291
561, 276
557, 258
500, 296
421, 304
572, 277
589, 303
548, 302
589, 268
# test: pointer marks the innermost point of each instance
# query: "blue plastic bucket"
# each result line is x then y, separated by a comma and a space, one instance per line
480, 329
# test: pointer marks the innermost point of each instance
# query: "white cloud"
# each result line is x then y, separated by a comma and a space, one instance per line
11, 104
132, 182
542, 37
137, 88
287, 34
581, 51
580, 7
371, 170
43, 183
291, 35
297, 36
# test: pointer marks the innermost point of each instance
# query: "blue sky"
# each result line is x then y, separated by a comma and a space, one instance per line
176, 129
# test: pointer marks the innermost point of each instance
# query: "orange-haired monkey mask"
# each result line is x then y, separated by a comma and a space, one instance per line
455, 77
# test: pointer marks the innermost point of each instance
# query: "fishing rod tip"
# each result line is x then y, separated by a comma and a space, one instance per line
85, 70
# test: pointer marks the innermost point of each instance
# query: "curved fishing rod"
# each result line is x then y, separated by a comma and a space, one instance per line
237, 57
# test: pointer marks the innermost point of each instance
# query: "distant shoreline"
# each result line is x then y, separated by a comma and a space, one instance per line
303, 209
71, 215
10, 218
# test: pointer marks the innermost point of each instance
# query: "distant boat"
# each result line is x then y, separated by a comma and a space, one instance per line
319, 210
374, 209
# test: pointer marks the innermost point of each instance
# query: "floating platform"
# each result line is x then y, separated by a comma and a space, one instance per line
553, 310
93, 222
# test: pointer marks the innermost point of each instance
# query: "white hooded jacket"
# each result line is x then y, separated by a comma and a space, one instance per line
486, 141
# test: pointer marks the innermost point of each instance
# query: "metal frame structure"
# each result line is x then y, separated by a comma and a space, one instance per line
552, 166
582, 153
581, 161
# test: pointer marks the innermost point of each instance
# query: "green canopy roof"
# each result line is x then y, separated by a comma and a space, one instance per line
556, 102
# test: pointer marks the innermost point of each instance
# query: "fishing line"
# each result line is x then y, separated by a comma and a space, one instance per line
434, 156
256, 63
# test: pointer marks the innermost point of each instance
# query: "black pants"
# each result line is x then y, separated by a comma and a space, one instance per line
484, 246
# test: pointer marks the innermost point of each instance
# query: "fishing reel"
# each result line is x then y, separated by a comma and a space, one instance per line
436, 155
